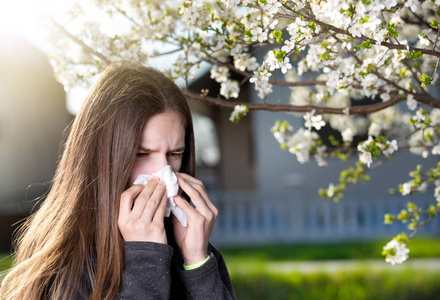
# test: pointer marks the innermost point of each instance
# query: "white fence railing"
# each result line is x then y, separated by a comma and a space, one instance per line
249, 217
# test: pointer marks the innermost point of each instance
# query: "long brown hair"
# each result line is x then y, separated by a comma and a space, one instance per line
74, 235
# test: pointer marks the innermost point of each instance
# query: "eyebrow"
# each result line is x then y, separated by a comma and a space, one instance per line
180, 149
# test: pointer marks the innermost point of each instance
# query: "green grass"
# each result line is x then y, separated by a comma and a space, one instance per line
420, 247
256, 274
5, 261
356, 285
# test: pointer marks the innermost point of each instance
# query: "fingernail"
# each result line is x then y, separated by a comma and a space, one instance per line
154, 179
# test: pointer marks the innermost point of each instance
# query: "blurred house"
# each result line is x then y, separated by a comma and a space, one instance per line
265, 195
33, 117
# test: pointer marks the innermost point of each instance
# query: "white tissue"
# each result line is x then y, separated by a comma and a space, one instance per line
170, 179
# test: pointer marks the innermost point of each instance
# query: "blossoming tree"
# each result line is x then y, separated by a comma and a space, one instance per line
328, 53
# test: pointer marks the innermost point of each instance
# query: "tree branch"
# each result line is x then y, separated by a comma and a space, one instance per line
355, 110
81, 43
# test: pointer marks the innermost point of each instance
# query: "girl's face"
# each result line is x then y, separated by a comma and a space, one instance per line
162, 143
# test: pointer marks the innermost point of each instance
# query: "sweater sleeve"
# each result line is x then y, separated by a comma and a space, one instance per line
210, 281
147, 271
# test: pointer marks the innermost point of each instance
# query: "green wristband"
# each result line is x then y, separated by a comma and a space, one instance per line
195, 266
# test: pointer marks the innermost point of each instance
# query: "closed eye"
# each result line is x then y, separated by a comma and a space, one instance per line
142, 154
175, 154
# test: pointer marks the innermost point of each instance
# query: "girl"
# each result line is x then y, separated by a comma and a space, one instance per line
90, 239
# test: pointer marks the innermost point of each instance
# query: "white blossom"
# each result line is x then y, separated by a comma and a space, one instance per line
272, 62
390, 3
258, 34
272, 6
264, 88
320, 156
418, 118
285, 65
366, 158
251, 64
239, 111
300, 144
392, 147
357, 29
407, 188
229, 89
411, 102
288, 45
436, 149
236, 50
312, 121
380, 36
295, 28
437, 193
423, 187
331, 190
347, 135
261, 74
412, 4
364, 154
220, 73
400, 252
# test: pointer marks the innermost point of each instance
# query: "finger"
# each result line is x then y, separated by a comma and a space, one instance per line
154, 201
192, 180
194, 193
194, 217
195, 189
161, 209
127, 199
144, 196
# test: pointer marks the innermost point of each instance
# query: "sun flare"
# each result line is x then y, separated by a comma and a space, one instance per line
27, 18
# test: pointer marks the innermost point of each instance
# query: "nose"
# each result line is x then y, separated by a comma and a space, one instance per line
160, 161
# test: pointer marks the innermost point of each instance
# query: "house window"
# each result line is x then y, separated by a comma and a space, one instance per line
206, 141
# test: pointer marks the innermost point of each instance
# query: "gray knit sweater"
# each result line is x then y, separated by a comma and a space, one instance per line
155, 271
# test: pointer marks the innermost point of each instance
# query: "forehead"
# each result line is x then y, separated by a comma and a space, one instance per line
163, 130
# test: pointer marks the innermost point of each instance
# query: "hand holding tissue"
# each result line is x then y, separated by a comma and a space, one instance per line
170, 179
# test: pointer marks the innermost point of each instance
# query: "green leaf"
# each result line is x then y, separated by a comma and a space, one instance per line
312, 26
324, 44
402, 72
277, 35
416, 55
279, 55
389, 219
365, 20
403, 216
325, 56
333, 141
434, 24
391, 29
425, 80
402, 238
411, 207
366, 44
432, 211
